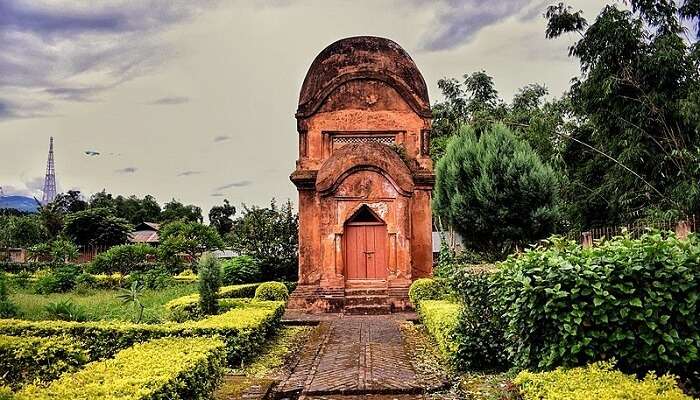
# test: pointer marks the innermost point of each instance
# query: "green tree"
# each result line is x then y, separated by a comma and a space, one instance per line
189, 238
96, 227
132, 208
21, 231
495, 191
63, 250
70, 202
270, 236
220, 217
52, 217
209, 283
635, 140
175, 210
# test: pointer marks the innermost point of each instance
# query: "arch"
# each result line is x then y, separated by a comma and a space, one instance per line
363, 58
364, 214
366, 156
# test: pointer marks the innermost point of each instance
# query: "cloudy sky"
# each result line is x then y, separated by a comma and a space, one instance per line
197, 102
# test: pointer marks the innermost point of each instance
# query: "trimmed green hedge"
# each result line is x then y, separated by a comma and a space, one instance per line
24, 359
441, 319
187, 307
426, 289
243, 329
598, 381
175, 369
635, 300
272, 291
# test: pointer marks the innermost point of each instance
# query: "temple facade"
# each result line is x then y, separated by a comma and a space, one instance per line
364, 177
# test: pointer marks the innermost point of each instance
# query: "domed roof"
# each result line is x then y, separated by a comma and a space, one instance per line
363, 57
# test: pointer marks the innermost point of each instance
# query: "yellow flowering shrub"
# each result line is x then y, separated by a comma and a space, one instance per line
167, 368
24, 359
243, 329
441, 318
186, 307
598, 381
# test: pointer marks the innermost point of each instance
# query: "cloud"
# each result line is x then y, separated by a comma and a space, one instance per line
217, 195
458, 21
75, 51
170, 100
234, 185
188, 173
13, 109
127, 170
221, 138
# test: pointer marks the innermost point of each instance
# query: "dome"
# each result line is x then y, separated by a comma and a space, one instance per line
363, 57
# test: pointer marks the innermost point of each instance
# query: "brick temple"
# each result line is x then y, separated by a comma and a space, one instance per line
364, 177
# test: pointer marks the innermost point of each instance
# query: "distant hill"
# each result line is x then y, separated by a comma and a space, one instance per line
21, 203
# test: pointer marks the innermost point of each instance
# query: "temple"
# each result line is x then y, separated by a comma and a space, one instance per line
364, 177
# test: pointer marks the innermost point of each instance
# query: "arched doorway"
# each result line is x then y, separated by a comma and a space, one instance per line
365, 246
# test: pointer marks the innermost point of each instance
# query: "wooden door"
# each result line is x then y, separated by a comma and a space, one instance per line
366, 255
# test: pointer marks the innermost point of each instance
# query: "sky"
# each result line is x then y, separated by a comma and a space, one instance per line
195, 100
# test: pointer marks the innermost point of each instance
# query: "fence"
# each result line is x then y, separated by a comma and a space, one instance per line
682, 228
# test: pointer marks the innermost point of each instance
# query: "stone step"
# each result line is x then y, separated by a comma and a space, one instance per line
366, 292
366, 300
368, 309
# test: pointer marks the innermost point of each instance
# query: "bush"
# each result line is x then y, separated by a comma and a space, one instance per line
23, 360
125, 259
634, 300
6, 393
66, 310
273, 291
162, 369
244, 330
241, 269
22, 279
441, 318
156, 278
480, 332
596, 381
209, 284
7, 308
186, 307
17, 267
425, 289
60, 279
495, 190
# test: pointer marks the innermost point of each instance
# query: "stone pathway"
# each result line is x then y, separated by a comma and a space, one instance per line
352, 357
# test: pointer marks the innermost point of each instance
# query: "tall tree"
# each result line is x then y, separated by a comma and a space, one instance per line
175, 210
96, 227
70, 202
635, 144
191, 238
220, 217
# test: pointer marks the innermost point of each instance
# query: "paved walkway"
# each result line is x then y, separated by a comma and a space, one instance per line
355, 355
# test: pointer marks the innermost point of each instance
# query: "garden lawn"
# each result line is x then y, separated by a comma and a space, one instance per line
102, 304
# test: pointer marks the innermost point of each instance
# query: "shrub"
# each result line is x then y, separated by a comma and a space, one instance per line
481, 326
596, 381
7, 308
66, 310
425, 289
441, 318
23, 360
60, 279
22, 279
100, 281
6, 393
125, 259
162, 369
634, 300
273, 291
156, 278
244, 330
17, 267
241, 269
495, 190
186, 307
209, 284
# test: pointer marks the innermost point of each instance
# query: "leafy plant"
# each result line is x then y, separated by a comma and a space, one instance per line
632, 299
61, 279
209, 284
426, 289
241, 269
125, 259
96, 227
66, 310
7, 308
132, 296
275, 291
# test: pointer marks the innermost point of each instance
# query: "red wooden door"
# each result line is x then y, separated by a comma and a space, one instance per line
366, 251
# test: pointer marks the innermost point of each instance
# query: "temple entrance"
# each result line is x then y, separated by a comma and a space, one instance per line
366, 255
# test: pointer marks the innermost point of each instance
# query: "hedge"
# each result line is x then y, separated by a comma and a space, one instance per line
16, 267
170, 368
243, 329
441, 318
186, 307
426, 289
272, 291
635, 300
598, 381
25, 359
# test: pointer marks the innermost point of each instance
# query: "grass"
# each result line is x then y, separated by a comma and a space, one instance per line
101, 304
